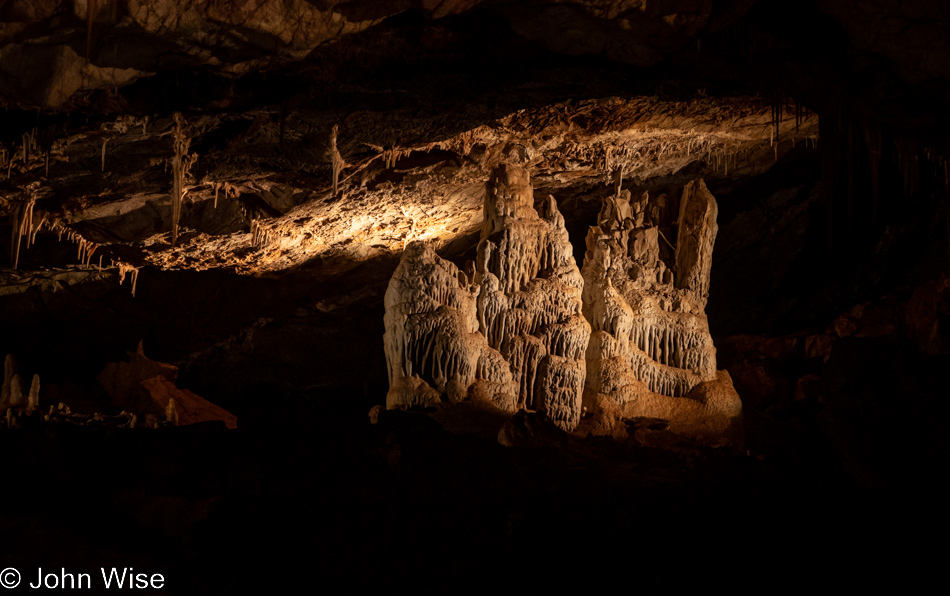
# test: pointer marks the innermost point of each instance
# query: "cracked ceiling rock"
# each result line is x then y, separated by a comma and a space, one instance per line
645, 138
229, 35
432, 192
651, 354
47, 76
507, 330
235, 37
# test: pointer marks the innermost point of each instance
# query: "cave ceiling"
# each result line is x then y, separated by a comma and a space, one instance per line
427, 97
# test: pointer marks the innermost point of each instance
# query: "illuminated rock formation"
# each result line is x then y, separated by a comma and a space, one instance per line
651, 354
432, 340
508, 329
529, 307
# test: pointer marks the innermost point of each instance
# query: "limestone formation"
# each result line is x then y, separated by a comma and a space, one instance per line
432, 340
508, 329
11, 393
148, 387
33, 398
651, 354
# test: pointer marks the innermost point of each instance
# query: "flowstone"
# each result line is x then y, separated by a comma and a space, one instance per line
508, 329
650, 354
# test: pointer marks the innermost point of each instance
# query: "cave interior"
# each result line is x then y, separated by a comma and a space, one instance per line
218, 192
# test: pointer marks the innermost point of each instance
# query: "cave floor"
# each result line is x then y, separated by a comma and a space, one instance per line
316, 496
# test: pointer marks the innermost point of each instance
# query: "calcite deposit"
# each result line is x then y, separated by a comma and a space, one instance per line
651, 354
432, 340
507, 328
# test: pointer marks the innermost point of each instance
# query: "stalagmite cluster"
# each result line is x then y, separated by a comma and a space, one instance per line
650, 353
142, 386
432, 340
508, 328
13, 401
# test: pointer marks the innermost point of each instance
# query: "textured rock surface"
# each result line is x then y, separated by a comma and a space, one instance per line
507, 329
650, 353
432, 340
190, 408
529, 306
695, 236
431, 189
122, 380
146, 387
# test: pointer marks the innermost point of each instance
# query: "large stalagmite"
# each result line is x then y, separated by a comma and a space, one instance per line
650, 353
508, 329
432, 340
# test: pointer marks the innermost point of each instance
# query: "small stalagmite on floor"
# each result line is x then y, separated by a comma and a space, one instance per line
650, 353
508, 329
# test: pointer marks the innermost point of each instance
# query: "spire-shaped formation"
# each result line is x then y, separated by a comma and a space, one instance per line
12, 396
529, 307
696, 235
508, 328
651, 354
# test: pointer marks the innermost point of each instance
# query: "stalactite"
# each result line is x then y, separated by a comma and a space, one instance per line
29, 144
104, 141
91, 10
181, 164
86, 248
777, 101
260, 236
130, 271
36, 227
337, 162
22, 226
